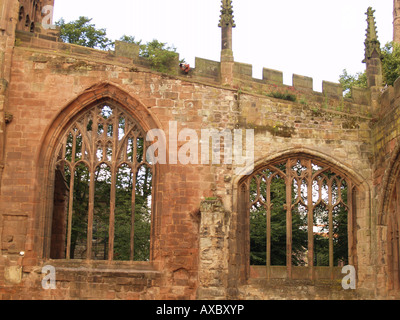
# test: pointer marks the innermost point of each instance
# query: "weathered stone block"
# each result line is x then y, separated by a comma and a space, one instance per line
302, 82
125, 49
273, 76
13, 274
396, 86
207, 68
361, 95
243, 70
331, 89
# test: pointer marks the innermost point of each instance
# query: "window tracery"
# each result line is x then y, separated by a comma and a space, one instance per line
103, 189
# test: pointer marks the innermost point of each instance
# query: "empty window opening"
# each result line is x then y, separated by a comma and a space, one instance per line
21, 13
394, 238
300, 215
103, 189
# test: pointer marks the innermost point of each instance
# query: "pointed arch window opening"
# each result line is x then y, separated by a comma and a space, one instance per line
103, 189
300, 215
394, 238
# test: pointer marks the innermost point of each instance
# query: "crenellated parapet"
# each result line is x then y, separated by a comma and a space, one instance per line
209, 71
226, 72
272, 81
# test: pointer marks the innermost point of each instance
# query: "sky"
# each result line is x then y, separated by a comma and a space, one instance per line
314, 38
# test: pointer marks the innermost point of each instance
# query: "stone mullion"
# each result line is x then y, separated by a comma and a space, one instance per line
310, 220
70, 211
134, 170
330, 209
73, 152
145, 150
268, 209
83, 150
90, 213
289, 220
93, 164
134, 148
133, 209
350, 217
64, 147
71, 193
111, 231
114, 169
104, 140
247, 206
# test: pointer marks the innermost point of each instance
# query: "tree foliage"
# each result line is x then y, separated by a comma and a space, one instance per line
348, 81
160, 54
258, 224
84, 33
391, 62
133, 196
390, 55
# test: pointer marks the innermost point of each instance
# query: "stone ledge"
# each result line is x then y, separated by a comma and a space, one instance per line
123, 267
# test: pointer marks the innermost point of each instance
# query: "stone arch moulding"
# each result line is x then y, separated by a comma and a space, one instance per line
358, 181
101, 92
389, 220
388, 183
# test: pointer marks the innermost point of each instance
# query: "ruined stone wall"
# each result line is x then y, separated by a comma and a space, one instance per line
43, 85
198, 231
386, 151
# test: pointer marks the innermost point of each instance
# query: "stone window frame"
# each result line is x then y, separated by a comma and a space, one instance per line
393, 234
241, 268
40, 237
105, 148
389, 220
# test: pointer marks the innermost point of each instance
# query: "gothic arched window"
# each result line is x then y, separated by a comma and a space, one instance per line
21, 13
394, 237
102, 189
27, 21
300, 213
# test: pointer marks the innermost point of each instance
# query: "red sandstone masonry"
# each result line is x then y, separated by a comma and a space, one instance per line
45, 82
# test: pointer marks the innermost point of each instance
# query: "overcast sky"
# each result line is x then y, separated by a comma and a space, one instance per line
315, 38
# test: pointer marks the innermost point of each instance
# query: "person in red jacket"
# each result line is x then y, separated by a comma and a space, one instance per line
184, 67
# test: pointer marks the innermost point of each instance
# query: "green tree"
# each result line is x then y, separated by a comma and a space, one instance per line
160, 55
125, 187
84, 33
390, 70
391, 62
130, 39
348, 81
258, 225
123, 211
